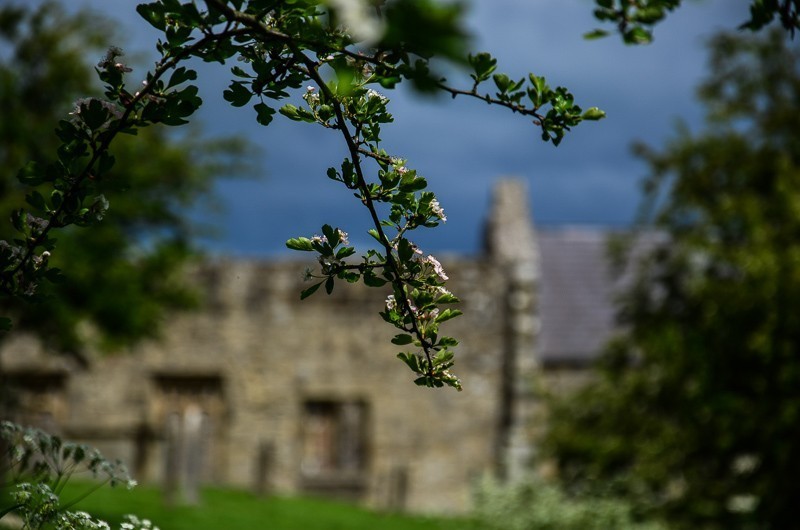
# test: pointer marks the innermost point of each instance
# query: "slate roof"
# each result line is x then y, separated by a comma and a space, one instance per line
576, 294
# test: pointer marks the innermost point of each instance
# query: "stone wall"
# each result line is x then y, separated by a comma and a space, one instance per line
261, 390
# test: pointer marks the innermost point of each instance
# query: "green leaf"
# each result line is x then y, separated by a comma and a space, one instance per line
502, 81
265, 113
331, 235
237, 94
181, 75
374, 233
593, 114
402, 339
483, 64
311, 290
349, 276
67, 131
329, 285
637, 35
153, 13
372, 280
345, 252
447, 314
447, 342
56, 198
595, 34
333, 174
448, 298
36, 200
443, 357
412, 183
411, 360
290, 111
105, 163
54, 275
300, 243
404, 250
94, 114
31, 174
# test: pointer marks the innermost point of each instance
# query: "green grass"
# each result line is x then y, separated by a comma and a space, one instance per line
239, 510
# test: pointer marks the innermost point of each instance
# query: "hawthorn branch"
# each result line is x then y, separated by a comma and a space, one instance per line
311, 69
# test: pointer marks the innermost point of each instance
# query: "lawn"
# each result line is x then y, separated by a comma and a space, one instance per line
240, 510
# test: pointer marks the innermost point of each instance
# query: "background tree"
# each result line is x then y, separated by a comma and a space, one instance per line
696, 410
634, 19
124, 273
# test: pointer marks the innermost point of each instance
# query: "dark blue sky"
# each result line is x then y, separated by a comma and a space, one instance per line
462, 146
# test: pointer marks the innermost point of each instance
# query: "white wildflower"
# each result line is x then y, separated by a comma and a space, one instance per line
343, 237
391, 303
319, 239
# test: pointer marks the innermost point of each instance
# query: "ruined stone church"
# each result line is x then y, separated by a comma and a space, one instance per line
262, 391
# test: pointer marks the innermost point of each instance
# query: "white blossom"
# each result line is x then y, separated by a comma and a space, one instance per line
391, 303
372, 94
437, 267
438, 211
440, 290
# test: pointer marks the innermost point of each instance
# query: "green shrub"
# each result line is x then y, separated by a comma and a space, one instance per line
538, 505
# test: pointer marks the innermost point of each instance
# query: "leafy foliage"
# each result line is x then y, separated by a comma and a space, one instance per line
123, 273
635, 19
36, 468
695, 411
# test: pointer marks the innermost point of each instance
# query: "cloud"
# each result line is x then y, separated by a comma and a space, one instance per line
461, 146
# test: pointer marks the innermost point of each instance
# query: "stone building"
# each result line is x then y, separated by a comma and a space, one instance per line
260, 390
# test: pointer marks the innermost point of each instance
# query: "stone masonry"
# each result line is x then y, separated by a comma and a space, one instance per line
263, 391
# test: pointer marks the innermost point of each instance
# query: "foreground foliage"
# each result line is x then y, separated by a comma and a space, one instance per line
124, 273
696, 412
51, 483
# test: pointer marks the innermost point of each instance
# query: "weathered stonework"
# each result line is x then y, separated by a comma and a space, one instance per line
260, 390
